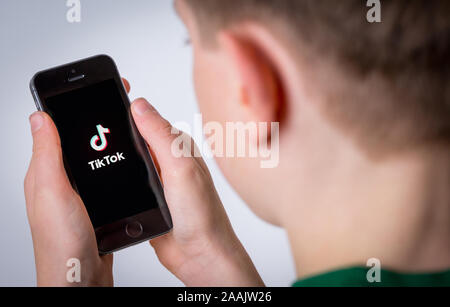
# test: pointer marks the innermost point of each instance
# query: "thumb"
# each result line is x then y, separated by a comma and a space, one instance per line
47, 165
160, 136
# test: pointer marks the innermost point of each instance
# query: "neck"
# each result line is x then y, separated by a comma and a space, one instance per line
397, 211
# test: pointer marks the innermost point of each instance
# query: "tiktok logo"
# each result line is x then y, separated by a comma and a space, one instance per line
107, 160
100, 137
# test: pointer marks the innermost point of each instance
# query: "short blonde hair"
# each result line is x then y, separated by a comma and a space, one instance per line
409, 49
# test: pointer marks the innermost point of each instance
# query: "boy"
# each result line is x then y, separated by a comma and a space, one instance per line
364, 166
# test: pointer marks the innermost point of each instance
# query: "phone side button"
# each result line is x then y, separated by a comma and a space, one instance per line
134, 229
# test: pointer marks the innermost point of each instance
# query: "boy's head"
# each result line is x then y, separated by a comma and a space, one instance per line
339, 85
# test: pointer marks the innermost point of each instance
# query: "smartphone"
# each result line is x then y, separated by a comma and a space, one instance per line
106, 159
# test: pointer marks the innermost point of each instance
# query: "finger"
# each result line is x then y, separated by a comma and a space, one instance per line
46, 163
126, 84
156, 131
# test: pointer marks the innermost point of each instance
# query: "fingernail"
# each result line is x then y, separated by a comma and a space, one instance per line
141, 106
36, 122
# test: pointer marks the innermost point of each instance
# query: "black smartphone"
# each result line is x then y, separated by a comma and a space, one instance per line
105, 157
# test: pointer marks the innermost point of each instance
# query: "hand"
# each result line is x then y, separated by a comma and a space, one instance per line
202, 249
60, 225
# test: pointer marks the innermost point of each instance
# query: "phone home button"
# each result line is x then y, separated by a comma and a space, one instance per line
134, 229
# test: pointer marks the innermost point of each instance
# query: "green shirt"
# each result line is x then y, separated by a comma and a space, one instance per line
357, 277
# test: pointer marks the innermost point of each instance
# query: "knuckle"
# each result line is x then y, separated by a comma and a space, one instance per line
27, 181
188, 170
164, 128
156, 125
45, 143
47, 153
39, 148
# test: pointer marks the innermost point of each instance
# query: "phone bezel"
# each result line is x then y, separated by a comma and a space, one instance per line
54, 81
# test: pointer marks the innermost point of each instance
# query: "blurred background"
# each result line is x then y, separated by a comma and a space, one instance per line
147, 41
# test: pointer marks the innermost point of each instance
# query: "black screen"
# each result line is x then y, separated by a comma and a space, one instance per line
101, 152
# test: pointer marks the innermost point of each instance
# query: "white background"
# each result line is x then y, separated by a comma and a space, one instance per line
146, 39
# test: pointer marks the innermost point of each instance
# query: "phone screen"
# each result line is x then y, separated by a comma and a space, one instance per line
97, 139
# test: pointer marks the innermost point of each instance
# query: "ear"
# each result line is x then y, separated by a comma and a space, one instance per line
260, 92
